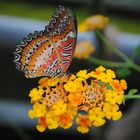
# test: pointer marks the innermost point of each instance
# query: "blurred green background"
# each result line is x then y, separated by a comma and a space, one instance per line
122, 14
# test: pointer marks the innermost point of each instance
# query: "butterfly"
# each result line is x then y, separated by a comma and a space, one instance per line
49, 52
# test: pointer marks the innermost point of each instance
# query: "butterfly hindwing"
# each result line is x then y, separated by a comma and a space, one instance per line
49, 52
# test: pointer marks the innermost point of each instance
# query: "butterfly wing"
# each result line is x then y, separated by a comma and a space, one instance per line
49, 52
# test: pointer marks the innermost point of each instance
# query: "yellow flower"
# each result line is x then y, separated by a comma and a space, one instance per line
46, 82
111, 111
102, 74
53, 82
96, 22
36, 94
108, 77
59, 107
38, 111
82, 27
52, 120
98, 71
31, 114
83, 129
83, 49
41, 127
65, 120
119, 85
96, 115
82, 74
110, 73
57, 100
75, 98
73, 86
72, 110
93, 22
114, 97
72, 77
83, 122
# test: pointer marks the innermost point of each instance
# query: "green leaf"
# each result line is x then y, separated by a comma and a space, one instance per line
123, 72
132, 91
109, 87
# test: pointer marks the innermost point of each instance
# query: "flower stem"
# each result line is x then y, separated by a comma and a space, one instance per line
128, 62
106, 62
135, 66
127, 97
114, 49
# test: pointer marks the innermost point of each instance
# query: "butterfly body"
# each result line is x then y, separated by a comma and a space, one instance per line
49, 52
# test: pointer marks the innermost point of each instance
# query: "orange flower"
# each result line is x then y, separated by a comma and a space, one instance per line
84, 49
119, 85
75, 98
43, 82
65, 120
97, 71
96, 22
41, 124
93, 22
83, 122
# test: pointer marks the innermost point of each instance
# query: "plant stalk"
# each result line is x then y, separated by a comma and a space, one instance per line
106, 62
128, 62
127, 97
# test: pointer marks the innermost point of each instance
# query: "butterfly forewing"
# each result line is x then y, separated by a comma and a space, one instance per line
49, 52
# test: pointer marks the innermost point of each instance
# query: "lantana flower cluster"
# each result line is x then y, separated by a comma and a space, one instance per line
90, 98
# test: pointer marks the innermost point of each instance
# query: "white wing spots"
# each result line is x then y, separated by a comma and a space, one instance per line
58, 43
50, 68
43, 58
70, 34
34, 48
67, 54
67, 48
